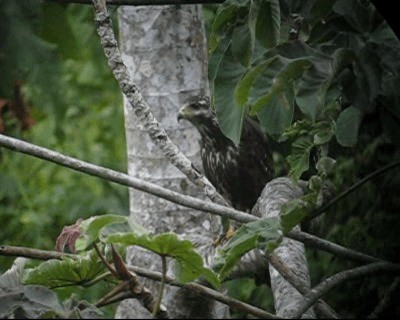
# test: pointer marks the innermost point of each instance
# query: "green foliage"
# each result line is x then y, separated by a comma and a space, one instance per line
264, 234
78, 111
269, 73
59, 273
322, 79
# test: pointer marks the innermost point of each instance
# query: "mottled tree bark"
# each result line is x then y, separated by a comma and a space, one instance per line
290, 252
164, 48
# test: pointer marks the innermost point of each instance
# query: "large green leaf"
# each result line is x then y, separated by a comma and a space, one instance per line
92, 226
189, 264
57, 273
347, 126
278, 76
268, 22
278, 114
267, 87
242, 44
227, 74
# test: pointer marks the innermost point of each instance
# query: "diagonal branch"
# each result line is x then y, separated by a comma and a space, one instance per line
318, 291
123, 179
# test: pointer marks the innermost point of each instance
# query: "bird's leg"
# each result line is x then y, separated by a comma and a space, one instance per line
225, 235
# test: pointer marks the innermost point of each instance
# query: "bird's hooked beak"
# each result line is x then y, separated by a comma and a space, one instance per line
182, 114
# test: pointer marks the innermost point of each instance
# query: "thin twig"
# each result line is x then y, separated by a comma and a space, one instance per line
352, 188
328, 246
318, 291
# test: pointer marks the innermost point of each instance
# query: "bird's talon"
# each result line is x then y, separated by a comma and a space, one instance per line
222, 238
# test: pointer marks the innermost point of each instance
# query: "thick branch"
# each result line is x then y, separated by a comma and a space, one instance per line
198, 288
325, 286
290, 254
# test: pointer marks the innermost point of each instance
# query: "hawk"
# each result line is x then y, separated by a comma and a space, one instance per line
238, 172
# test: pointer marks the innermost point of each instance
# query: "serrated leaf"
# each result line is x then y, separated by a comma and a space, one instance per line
189, 264
264, 234
57, 273
92, 226
347, 126
298, 160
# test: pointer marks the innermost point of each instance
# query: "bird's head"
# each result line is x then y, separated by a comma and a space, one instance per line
196, 110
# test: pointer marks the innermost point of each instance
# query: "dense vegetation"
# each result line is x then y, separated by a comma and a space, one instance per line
320, 76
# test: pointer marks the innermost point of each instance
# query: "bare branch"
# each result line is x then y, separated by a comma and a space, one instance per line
356, 185
13, 251
325, 245
325, 286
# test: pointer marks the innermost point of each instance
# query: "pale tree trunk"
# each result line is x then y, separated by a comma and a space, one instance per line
291, 253
164, 48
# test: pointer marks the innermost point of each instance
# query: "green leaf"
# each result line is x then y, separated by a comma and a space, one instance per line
299, 158
293, 212
281, 72
91, 228
227, 74
278, 114
268, 88
325, 165
264, 234
268, 22
189, 264
242, 44
57, 273
347, 126
312, 88
368, 73
325, 132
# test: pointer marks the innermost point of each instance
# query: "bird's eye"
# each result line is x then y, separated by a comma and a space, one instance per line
195, 106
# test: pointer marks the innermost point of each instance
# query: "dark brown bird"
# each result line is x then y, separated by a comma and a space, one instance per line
238, 172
